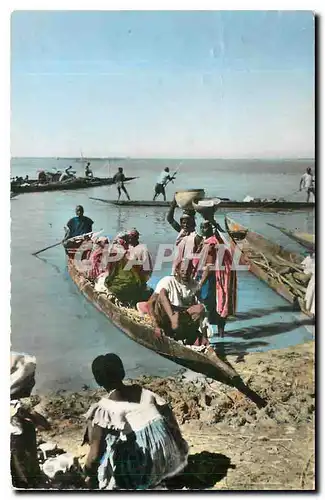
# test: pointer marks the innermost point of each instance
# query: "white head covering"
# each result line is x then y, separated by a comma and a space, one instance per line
22, 369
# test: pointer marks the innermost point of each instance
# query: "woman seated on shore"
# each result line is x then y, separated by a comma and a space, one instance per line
135, 441
174, 307
25, 470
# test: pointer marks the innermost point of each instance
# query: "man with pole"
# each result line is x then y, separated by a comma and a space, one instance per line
162, 181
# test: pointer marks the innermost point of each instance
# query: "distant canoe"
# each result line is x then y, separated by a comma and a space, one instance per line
307, 240
224, 204
79, 183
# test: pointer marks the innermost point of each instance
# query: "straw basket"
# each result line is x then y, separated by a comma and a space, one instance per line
184, 199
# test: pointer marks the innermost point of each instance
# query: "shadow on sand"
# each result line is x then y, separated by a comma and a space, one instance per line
203, 471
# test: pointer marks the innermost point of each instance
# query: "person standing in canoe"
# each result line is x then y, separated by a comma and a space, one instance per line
162, 181
307, 182
119, 179
186, 224
217, 278
88, 171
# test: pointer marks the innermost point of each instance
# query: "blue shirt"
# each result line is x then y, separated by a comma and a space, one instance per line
79, 225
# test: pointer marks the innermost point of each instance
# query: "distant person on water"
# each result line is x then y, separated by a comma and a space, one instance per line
162, 181
119, 179
42, 177
307, 182
67, 174
78, 225
88, 171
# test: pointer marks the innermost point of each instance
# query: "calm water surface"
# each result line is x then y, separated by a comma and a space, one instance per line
52, 320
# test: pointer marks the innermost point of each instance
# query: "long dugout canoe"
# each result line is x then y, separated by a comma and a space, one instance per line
78, 183
227, 205
131, 324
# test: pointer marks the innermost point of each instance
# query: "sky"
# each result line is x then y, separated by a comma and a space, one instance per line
220, 84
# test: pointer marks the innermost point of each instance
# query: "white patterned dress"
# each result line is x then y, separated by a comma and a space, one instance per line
144, 445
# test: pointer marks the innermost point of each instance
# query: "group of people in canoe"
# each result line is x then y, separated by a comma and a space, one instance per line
134, 440
198, 295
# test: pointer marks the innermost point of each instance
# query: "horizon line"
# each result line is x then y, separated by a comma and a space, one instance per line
170, 157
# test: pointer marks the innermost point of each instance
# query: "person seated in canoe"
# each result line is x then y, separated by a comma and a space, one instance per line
135, 441
162, 181
139, 256
175, 309
124, 280
119, 179
42, 179
77, 226
97, 259
88, 171
67, 174
216, 277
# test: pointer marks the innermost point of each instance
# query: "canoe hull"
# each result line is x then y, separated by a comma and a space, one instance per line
257, 242
223, 205
304, 239
210, 365
34, 187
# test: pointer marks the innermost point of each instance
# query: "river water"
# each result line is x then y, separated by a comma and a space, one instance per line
52, 320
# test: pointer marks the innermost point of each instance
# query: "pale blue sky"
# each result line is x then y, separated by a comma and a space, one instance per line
175, 84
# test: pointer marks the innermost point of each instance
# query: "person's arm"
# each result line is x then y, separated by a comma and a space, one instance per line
170, 216
151, 303
207, 268
67, 229
94, 455
174, 317
301, 182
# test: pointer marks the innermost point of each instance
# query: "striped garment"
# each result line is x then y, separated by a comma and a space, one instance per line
144, 445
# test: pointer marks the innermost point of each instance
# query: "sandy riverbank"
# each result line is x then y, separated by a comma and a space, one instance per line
233, 444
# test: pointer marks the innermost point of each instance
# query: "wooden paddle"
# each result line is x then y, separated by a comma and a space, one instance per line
70, 239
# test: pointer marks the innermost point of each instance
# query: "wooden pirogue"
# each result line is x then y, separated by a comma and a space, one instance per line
279, 268
77, 183
307, 240
224, 205
142, 331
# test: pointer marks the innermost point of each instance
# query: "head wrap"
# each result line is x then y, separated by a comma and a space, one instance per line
133, 232
22, 372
